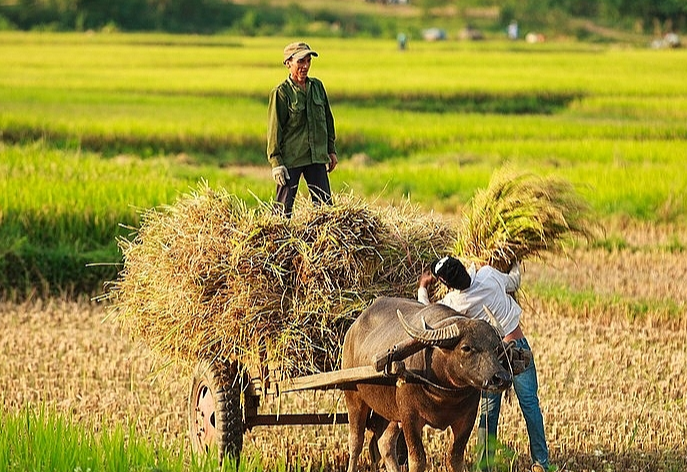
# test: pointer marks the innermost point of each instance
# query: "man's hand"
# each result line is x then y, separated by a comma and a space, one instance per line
426, 279
333, 160
280, 175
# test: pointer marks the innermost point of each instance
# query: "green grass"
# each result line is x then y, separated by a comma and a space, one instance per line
62, 211
611, 306
38, 439
44, 441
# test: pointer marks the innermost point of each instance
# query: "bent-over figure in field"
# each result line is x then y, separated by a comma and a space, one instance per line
458, 358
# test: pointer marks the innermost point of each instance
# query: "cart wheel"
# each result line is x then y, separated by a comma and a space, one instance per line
214, 410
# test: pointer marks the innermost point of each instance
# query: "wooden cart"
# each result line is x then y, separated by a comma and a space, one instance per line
224, 403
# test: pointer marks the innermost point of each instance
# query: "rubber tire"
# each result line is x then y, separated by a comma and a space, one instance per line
216, 395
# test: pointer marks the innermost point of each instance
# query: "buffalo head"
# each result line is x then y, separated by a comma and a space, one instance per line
469, 348
455, 358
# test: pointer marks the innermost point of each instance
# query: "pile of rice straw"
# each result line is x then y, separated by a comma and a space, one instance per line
520, 216
210, 278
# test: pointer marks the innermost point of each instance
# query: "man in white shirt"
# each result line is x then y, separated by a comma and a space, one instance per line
470, 291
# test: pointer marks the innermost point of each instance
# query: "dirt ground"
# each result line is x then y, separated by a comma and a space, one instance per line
612, 390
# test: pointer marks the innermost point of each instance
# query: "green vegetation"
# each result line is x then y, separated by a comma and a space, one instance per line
344, 18
611, 306
45, 441
96, 127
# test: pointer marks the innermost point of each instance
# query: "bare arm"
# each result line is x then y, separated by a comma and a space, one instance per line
426, 280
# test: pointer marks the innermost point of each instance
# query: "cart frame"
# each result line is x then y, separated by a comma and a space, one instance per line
224, 403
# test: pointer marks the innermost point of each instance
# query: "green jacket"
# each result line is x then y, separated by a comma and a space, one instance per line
300, 125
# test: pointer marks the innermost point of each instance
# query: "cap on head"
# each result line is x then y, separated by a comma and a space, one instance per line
297, 51
451, 272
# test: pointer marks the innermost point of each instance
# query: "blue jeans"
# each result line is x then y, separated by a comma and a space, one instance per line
525, 386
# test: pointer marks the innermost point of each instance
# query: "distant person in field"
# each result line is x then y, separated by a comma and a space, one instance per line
513, 30
470, 290
300, 135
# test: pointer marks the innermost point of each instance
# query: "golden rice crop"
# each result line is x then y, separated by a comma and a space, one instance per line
209, 277
520, 216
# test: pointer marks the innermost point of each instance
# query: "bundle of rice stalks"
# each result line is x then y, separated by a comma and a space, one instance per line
521, 216
210, 278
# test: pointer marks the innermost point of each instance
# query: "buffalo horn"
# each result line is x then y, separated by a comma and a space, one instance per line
430, 337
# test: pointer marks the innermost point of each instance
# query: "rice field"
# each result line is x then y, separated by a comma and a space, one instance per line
610, 119
97, 127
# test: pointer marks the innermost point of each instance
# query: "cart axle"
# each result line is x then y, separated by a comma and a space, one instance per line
297, 419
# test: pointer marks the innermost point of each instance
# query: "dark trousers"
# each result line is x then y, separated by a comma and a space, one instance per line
315, 176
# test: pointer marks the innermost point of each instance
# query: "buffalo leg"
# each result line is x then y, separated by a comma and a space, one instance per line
461, 430
377, 425
387, 446
358, 412
417, 460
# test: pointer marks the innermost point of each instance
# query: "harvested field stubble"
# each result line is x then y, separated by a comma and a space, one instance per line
647, 285
612, 390
61, 354
657, 273
609, 390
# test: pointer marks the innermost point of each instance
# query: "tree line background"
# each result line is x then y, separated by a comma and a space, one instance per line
262, 18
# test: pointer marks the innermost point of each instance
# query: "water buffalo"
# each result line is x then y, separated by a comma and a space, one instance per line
456, 359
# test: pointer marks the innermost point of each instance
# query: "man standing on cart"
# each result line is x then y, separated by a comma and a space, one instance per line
301, 135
